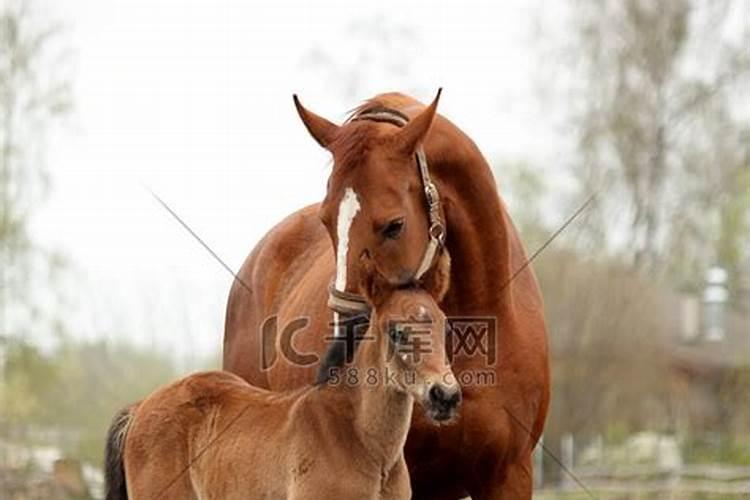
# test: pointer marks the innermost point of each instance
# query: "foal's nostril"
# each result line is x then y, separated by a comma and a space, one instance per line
455, 398
445, 398
437, 395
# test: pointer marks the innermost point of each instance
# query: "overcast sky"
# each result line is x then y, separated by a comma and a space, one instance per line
193, 99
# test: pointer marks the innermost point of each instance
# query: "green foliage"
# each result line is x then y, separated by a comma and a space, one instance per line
76, 389
26, 381
723, 449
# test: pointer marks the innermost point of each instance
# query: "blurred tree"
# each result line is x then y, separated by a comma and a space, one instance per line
609, 349
524, 189
27, 378
662, 132
33, 93
95, 380
72, 392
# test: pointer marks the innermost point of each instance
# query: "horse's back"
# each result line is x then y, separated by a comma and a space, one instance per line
292, 257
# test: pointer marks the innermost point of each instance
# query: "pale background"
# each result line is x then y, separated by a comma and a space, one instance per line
193, 99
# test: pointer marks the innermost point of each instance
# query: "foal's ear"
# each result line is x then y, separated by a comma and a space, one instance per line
373, 285
415, 131
438, 280
323, 131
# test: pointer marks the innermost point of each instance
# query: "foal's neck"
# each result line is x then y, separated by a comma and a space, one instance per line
382, 412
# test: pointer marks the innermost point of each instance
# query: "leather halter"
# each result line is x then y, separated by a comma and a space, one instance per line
348, 303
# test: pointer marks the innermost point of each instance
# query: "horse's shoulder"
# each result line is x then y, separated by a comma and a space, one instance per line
304, 218
285, 243
294, 233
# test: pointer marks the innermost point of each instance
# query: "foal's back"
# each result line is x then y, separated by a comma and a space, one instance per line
212, 435
174, 434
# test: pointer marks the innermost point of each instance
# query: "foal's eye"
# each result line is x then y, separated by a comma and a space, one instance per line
393, 229
397, 333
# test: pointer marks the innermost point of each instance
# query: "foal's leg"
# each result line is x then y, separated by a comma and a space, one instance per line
397, 486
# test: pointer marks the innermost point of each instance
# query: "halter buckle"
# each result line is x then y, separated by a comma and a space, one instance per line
431, 193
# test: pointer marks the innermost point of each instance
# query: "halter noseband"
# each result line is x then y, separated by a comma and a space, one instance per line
348, 303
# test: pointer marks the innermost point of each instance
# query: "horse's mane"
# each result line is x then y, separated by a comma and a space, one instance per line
391, 101
356, 138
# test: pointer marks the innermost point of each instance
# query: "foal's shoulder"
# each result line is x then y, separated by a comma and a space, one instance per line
215, 378
224, 384
211, 387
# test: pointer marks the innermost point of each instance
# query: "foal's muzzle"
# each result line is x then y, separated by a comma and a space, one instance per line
443, 401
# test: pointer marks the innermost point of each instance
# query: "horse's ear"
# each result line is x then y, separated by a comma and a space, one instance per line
323, 131
438, 280
415, 131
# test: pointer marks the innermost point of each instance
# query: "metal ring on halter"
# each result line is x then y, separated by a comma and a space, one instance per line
437, 232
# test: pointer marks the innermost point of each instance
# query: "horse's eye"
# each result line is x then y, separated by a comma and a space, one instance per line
393, 229
397, 333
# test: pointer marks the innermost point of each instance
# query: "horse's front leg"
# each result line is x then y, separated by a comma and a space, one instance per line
510, 482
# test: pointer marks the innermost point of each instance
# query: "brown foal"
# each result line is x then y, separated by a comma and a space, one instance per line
213, 436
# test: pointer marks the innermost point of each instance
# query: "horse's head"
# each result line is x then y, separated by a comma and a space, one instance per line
412, 325
376, 203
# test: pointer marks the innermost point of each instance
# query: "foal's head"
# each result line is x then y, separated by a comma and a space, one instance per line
408, 327
375, 201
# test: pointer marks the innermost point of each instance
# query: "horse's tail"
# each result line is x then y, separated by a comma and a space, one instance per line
114, 467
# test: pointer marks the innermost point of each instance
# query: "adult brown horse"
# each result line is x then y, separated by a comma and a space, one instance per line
375, 206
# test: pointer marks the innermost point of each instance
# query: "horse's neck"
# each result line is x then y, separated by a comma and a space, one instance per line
382, 414
481, 238
484, 246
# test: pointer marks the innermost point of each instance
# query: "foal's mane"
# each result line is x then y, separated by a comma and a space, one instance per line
342, 348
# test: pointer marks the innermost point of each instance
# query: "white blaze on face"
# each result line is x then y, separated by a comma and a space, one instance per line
348, 209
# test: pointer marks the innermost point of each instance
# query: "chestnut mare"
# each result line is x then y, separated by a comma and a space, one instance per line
409, 190
212, 435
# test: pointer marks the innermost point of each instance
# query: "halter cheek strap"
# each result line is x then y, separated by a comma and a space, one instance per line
436, 228
350, 303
